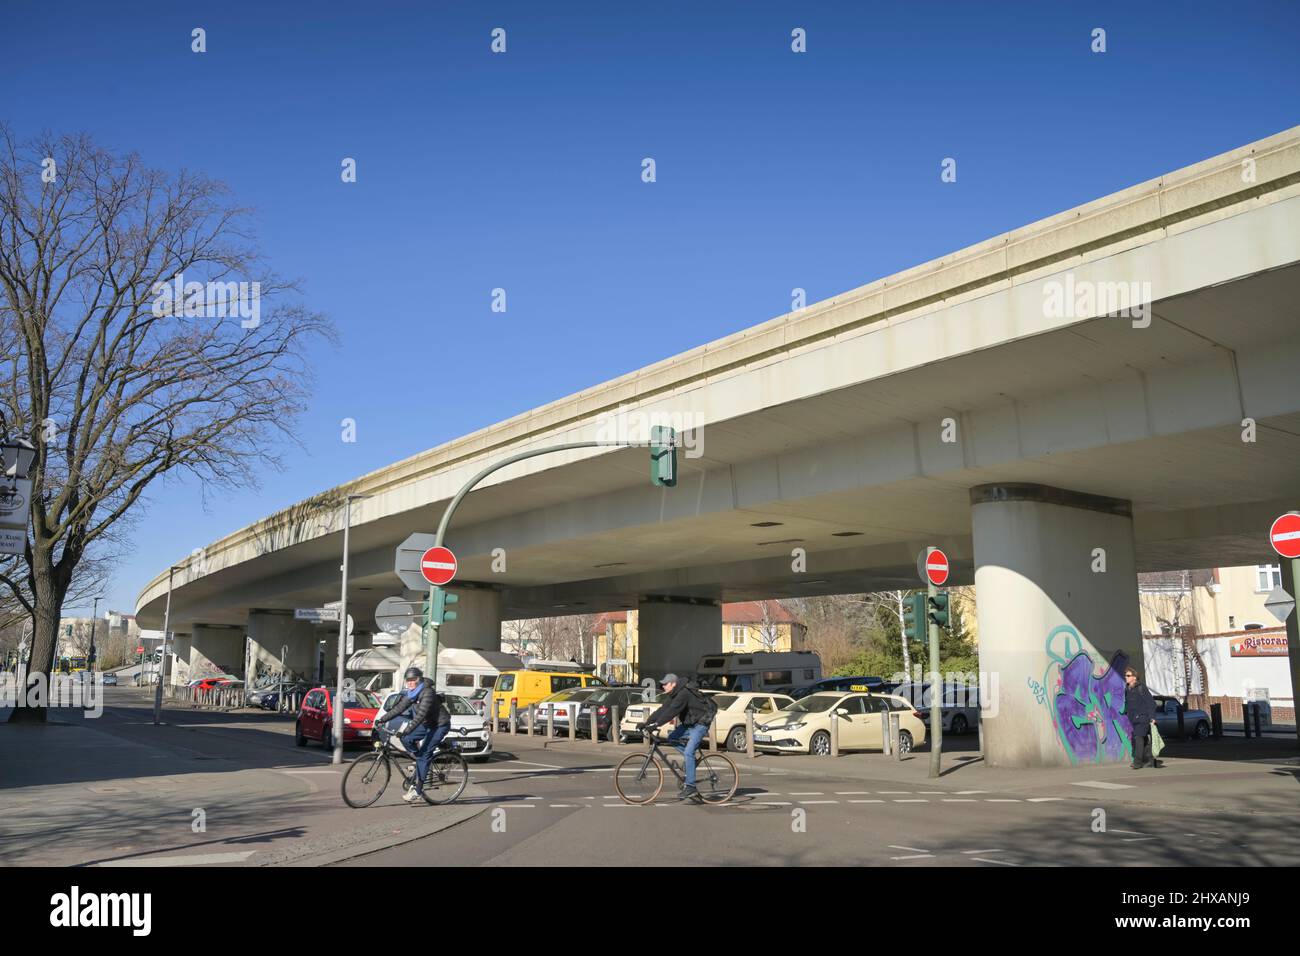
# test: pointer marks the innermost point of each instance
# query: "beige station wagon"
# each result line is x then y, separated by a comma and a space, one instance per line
733, 707
805, 725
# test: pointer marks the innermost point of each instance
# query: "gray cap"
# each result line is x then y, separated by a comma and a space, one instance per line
669, 679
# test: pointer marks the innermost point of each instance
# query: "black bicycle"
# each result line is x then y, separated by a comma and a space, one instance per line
639, 777
368, 776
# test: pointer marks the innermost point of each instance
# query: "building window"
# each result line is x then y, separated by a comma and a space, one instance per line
738, 635
1269, 576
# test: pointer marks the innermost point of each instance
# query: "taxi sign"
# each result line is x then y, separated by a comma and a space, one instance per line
859, 687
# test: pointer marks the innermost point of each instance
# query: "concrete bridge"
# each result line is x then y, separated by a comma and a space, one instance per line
1107, 391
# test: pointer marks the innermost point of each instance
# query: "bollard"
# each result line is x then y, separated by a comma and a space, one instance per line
532, 719
835, 732
749, 734
573, 721
894, 720
1216, 721
884, 734
595, 727
1182, 729
1259, 712
550, 722
615, 728
979, 725
513, 719
714, 742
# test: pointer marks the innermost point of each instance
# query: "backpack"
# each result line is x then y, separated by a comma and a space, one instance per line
702, 708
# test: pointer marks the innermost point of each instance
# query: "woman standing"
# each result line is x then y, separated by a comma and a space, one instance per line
1140, 707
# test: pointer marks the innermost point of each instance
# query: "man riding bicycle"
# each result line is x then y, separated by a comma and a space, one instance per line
694, 712
430, 720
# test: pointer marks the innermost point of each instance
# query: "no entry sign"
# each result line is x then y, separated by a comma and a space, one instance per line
438, 565
1285, 535
936, 568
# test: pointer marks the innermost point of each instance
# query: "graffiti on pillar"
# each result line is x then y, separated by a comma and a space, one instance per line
1085, 697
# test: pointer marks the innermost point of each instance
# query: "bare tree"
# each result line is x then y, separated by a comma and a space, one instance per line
114, 382
769, 625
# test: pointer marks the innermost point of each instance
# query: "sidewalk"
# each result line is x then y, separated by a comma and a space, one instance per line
1232, 774
119, 791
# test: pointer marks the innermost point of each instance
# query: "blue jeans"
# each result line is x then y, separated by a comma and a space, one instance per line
693, 733
422, 742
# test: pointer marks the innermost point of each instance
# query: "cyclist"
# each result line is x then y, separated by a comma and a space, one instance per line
695, 712
429, 723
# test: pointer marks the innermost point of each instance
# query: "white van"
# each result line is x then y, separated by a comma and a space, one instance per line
776, 671
462, 671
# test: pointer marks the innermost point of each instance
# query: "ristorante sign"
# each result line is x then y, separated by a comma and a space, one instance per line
1258, 645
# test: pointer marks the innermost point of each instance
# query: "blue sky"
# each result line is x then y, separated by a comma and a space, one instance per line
522, 171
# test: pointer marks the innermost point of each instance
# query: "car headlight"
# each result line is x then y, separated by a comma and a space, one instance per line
797, 725
347, 720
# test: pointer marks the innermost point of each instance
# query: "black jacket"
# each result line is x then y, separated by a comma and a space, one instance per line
686, 703
1140, 707
429, 707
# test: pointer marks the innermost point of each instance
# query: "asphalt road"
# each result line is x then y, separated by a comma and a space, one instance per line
552, 807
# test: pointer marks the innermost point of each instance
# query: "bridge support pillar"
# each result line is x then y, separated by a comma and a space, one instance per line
673, 635
1057, 599
477, 626
179, 649
276, 639
216, 650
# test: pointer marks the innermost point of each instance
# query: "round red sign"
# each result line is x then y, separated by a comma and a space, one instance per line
936, 568
1285, 535
438, 565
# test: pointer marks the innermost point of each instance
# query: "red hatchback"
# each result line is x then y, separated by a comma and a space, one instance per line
316, 717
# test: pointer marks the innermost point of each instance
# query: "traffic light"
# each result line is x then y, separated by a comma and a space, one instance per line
938, 609
663, 456
437, 613
914, 617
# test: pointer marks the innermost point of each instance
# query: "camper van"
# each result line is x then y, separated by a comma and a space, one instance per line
776, 671
461, 670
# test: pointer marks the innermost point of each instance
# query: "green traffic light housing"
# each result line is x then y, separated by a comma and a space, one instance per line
914, 617
663, 456
938, 609
436, 613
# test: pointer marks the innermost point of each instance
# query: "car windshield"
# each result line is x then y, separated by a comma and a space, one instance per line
360, 698
724, 701
816, 704
459, 707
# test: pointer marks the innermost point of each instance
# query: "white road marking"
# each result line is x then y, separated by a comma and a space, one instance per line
960, 800
999, 862
771, 803
888, 792
520, 806
916, 856
566, 806
1001, 799
1137, 839
984, 851
1101, 785
1130, 832
811, 802
966, 793
913, 849
308, 771
866, 801
851, 793
1044, 799
913, 800
806, 793
200, 860
932, 792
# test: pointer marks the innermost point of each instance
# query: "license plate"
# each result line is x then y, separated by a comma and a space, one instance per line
363, 733
467, 744
762, 738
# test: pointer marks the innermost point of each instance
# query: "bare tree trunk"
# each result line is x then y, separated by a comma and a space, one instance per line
902, 636
45, 633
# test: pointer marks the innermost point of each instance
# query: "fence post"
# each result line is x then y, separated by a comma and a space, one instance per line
835, 732
749, 734
1259, 712
1216, 720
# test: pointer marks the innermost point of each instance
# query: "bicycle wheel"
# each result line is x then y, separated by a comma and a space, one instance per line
716, 778
447, 778
366, 780
638, 778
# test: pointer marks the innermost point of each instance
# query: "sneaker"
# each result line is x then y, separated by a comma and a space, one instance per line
411, 795
687, 791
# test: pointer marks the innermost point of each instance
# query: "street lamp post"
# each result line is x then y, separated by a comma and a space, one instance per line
162, 662
343, 630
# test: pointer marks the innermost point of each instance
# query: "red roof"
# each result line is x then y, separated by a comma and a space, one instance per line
751, 612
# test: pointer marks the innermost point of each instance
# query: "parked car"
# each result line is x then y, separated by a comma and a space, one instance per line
213, 683
270, 699
561, 704
805, 725
733, 707
959, 706
604, 700
873, 685
110, 680
1196, 723
636, 713
470, 731
316, 717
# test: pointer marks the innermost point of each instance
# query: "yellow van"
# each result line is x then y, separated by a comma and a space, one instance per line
539, 680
